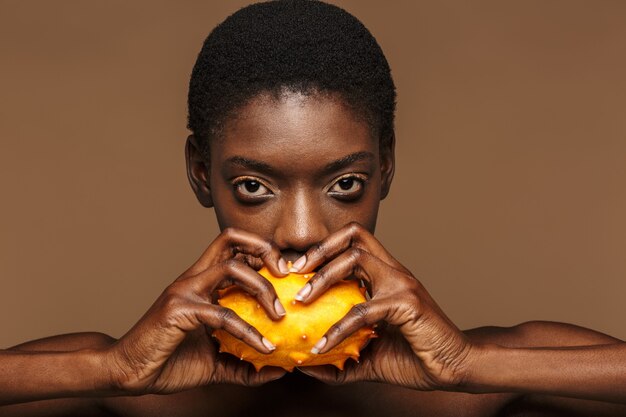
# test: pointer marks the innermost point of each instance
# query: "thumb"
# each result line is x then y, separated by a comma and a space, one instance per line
329, 374
267, 374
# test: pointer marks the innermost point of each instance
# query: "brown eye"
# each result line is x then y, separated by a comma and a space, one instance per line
251, 188
347, 186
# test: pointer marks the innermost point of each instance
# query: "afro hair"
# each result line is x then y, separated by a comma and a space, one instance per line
303, 46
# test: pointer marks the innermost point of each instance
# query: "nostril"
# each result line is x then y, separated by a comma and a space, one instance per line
301, 222
290, 255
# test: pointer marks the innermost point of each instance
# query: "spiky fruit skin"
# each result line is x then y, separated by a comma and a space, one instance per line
297, 332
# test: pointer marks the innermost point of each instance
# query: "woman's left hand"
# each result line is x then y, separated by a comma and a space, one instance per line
418, 346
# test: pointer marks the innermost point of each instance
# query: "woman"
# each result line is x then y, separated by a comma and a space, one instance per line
291, 107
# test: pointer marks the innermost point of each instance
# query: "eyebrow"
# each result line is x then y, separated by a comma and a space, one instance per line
250, 163
330, 167
348, 160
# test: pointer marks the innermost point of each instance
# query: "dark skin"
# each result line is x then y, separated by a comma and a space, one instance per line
294, 176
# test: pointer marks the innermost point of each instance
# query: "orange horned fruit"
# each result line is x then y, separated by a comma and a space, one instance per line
297, 332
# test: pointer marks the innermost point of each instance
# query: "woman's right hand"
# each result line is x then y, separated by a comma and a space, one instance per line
171, 349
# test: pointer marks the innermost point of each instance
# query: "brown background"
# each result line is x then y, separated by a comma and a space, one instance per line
509, 201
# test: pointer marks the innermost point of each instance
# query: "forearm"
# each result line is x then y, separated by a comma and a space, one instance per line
57, 366
31, 376
592, 372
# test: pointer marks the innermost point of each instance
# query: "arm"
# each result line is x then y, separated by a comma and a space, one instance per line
421, 348
169, 349
55, 367
553, 359
61, 406
548, 334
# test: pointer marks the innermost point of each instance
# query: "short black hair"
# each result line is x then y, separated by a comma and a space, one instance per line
303, 46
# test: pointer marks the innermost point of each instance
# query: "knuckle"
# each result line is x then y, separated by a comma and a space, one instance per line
266, 287
319, 279
271, 248
248, 331
265, 250
231, 267
172, 297
225, 317
355, 255
245, 332
170, 302
336, 329
251, 261
410, 285
230, 234
260, 289
360, 311
354, 228
317, 250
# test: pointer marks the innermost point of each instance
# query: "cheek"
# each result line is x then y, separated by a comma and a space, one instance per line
264, 219
265, 222
365, 212
230, 213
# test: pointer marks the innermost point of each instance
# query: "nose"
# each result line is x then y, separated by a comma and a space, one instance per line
301, 224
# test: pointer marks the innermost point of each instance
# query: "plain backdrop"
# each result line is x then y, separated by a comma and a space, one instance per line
509, 201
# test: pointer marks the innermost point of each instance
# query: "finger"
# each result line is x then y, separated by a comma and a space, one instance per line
353, 262
360, 315
233, 272
329, 374
232, 242
253, 262
351, 235
234, 371
267, 374
217, 317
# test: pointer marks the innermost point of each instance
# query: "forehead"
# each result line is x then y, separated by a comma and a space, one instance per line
300, 129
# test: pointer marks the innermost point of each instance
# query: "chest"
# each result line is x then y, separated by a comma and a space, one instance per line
299, 395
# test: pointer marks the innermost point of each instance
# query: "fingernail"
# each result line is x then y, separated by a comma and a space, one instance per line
268, 344
304, 292
282, 266
280, 310
299, 264
319, 346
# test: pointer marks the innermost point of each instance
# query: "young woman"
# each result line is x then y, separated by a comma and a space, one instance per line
291, 108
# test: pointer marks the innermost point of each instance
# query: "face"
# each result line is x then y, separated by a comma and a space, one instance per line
293, 170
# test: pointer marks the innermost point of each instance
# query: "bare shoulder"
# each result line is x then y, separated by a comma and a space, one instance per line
539, 333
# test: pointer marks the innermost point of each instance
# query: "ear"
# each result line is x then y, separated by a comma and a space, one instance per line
198, 171
387, 164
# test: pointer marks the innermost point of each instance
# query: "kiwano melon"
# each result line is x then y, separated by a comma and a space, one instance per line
297, 332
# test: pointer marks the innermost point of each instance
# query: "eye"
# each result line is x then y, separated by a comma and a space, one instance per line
347, 187
250, 188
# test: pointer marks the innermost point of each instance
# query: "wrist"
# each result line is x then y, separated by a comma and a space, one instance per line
108, 380
116, 378
473, 372
460, 369
91, 374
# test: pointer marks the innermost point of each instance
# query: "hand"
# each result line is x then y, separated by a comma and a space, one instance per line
170, 348
418, 347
